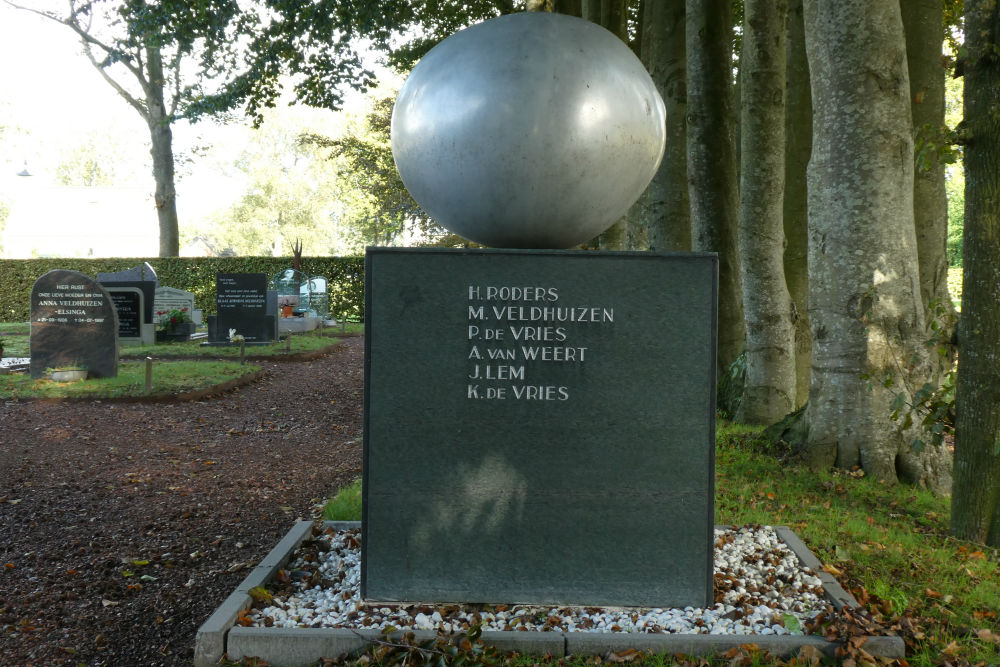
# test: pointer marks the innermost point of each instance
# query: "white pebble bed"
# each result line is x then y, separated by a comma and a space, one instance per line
759, 586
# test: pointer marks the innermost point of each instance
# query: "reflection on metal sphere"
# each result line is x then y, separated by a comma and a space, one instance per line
531, 130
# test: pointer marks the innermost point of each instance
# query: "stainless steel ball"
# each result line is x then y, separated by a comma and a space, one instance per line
531, 130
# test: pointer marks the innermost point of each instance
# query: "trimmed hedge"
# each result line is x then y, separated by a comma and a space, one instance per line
345, 278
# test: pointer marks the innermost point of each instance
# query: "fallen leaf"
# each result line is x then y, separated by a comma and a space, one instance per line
951, 649
988, 636
931, 593
830, 569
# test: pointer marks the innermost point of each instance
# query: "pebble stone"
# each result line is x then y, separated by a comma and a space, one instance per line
759, 586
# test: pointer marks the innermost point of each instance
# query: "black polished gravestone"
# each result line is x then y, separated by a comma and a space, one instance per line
73, 323
539, 427
129, 304
141, 277
241, 302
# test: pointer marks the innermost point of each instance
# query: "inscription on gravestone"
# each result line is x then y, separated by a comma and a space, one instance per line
128, 302
549, 435
242, 304
73, 323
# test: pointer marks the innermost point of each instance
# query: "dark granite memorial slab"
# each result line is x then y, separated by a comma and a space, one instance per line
73, 323
539, 427
129, 303
142, 273
241, 301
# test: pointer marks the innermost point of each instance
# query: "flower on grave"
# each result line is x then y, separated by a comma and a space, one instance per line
169, 320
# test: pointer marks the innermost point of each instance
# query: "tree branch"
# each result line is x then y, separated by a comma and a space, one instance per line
88, 41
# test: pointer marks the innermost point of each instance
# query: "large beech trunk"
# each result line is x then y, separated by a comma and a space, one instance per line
769, 393
924, 26
668, 207
712, 159
798, 146
975, 507
865, 309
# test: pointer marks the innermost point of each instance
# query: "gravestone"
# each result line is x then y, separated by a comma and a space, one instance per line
539, 427
73, 323
130, 304
143, 278
141, 273
319, 300
242, 303
166, 299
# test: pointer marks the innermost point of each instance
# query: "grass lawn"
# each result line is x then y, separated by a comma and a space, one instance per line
16, 344
300, 343
169, 378
888, 545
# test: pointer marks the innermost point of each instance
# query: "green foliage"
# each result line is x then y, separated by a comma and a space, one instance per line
955, 186
345, 505
94, 162
345, 278
729, 393
292, 191
381, 209
932, 406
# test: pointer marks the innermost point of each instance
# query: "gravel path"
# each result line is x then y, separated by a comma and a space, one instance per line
124, 525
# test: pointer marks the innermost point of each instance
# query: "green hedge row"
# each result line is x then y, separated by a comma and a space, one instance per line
345, 278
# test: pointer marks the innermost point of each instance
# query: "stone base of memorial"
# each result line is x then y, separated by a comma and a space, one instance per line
287, 647
179, 333
69, 375
297, 324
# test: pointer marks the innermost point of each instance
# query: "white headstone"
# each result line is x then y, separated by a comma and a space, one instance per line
166, 299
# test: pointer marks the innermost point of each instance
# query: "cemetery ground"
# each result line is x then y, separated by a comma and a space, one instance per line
125, 524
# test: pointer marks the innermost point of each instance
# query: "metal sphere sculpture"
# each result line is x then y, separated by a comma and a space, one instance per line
531, 130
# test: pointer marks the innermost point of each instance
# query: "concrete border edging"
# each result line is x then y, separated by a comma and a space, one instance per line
210, 641
303, 647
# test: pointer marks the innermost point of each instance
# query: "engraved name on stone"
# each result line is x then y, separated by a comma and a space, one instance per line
505, 333
72, 303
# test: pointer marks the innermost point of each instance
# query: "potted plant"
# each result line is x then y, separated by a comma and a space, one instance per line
68, 373
175, 324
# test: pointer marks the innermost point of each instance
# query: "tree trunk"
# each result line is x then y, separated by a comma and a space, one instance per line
668, 207
165, 198
865, 308
923, 23
571, 7
975, 507
711, 160
798, 146
591, 10
614, 17
769, 393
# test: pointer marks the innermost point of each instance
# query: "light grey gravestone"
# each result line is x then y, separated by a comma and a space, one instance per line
166, 299
539, 427
73, 323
